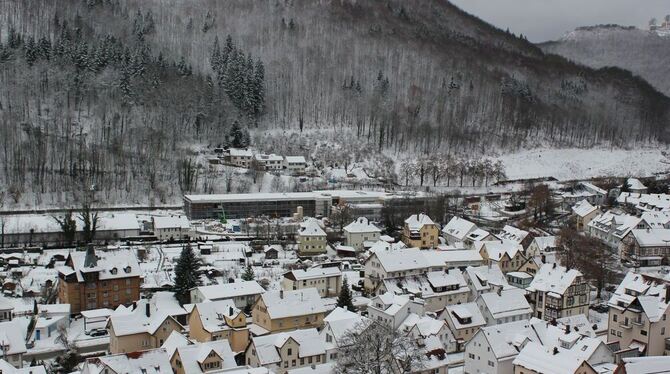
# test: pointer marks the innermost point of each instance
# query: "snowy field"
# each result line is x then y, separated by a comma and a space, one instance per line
572, 163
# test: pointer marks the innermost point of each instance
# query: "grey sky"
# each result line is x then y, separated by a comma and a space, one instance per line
542, 20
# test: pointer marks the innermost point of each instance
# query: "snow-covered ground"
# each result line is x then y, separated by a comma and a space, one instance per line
573, 163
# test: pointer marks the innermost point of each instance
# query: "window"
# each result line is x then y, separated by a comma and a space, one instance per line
614, 317
662, 330
643, 332
292, 362
491, 364
471, 356
290, 351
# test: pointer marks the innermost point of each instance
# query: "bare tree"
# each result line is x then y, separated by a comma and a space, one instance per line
68, 226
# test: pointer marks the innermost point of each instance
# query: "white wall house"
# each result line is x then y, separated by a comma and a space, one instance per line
359, 232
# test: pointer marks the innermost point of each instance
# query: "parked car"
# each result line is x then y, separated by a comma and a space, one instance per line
97, 332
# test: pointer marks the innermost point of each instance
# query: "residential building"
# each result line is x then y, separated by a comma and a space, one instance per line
611, 227
654, 220
634, 185
392, 309
645, 202
219, 320
203, 357
457, 229
357, 233
541, 245
519, 279
327, 281
311, 238
464, 320
139, 330
284, 351
437, 289
534, 359
102, 279
239, 157
585, 191
152, 361
424, 328
504, 306
515, 235
295, 165
336, 327
507, 255
420, 232
49, 319
241, 293
638, 315
477, 236
485, 278
13, 342
492, 349
643, 365
584, 212
558, 292
646, 247
172, 227
6, 309
287, 310
271, 162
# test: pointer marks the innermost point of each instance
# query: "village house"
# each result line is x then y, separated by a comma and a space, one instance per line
288, 310
611, 227
477, 236
327, 281
420, 232
557, 292
219, 320
535, 359
519, 279
654, 220
6, 309
202, 357
646, 247
645, 202
271, 162
102, 279
357, 233
392, 309
463, 320
239, 157
139, 330
295, 165
457, 229
311, 238
507, 255
485, 278
422, 329
336, 326
634, 185
638, 315
585, 191
437, 289
284, 351
241, 293
515, 235
584, 212
541, 245
492, 349
172, 227
147, 361
13, 342
643, 365
504, 306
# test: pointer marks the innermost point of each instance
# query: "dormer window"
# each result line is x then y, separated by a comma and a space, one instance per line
113, 271
127, 269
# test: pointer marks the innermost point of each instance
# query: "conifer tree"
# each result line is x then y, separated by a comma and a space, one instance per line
344, 300
248, 274
186, 274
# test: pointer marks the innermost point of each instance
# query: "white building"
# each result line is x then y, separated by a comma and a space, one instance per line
242, 293
327, 281
393, 309
239, 157
483, 279
457, 229
464, 321
558, 292
172, 227
612, 227
295, 164
437, 288
359, 232
584, 213
271, 162
337, 325
285, 351
13, 342
504, 306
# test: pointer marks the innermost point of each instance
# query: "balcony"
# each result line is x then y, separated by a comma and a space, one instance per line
667, 345
625, 325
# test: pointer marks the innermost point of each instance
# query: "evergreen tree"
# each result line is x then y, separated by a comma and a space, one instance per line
186, 274
344, 300
30, 50
248, 274
44, 48
237, 136
259, 87
215, 58
13, 39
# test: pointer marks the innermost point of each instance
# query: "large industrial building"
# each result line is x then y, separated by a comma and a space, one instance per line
314, 204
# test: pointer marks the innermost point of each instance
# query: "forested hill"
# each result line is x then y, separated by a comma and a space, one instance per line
114, 92
645, 53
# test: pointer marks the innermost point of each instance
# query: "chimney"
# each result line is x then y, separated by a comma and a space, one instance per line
281, 294
667, 293
499, 291
554, 266
567, 329
147, 309
230, 311
555, 350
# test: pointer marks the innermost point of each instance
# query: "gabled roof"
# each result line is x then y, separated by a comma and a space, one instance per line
230, 290
652, 237
282, 304
12, 335
361, 225
647, 365
340, 321
464, 311
416, 221
496, 250
482, 277
109, 264
295, 159
193, 355
137, 322
155, 361
511, 302
646, 292
553, 278
506, 339
170, 222
545, 242
583, 208
458, 228
213, 314
267, 346
535, 357
313, 273
511, 233
310, 227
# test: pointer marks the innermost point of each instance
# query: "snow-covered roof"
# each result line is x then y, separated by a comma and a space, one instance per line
166, 302
361, 225
583, 208
283, 304
236, 152
230, 290
511, 233
401, 259
194, 355
109, 264
327, 368
646, 365
481, 277
42, 223
656, 220
54, 309
428, 284
7, 368
12, 336
267, 347
617, 223
340, 321
496, 250
425, 325
545, 242
295, 159
477, 235
535, 357
458, 228
506, 339
416, 221
511, 302
644, 201
460, 313
643, 292
213, 314
553, 278
171, 222
593, 188
652, 237
137, 321
313, 273
154, 361
635, 184
310, 227
270, 157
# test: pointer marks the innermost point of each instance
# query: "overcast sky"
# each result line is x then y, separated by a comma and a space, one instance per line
542, 20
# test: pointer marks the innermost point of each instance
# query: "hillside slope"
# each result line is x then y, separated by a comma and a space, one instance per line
643, 52
122, 94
